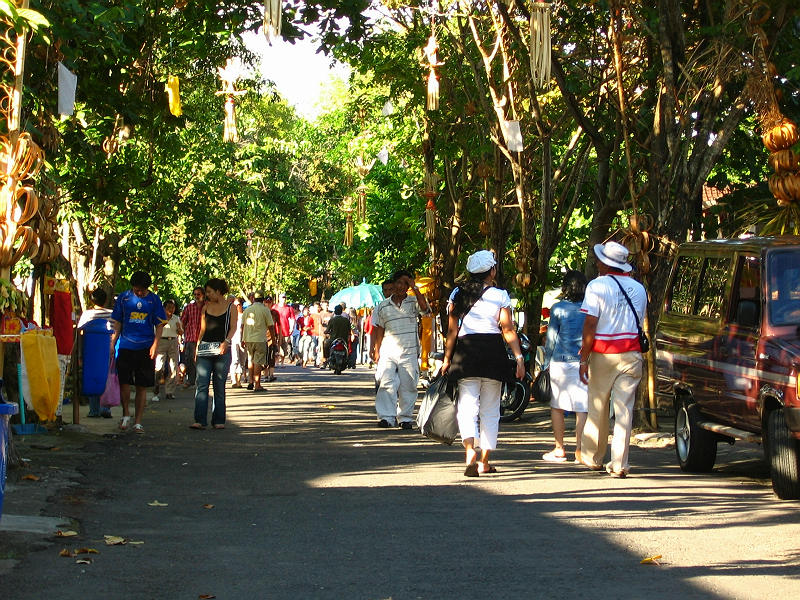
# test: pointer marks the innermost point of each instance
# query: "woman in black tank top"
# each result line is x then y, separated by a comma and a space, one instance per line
217, 325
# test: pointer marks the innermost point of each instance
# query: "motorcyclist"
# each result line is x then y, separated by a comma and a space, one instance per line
338, 327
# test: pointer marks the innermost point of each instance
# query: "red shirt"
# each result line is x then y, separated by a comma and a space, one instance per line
285, 313
306, 325
191, 320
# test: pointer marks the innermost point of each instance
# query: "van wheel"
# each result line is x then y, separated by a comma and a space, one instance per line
784, 452
696, 448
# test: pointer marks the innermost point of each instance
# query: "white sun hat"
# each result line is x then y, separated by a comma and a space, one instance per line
480, 262
614, 255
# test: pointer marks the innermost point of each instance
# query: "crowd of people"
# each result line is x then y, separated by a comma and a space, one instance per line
217, 338
592, 353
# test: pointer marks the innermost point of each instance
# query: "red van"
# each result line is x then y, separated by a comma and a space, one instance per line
728, 352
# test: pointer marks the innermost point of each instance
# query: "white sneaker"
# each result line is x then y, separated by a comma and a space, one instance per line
155, 399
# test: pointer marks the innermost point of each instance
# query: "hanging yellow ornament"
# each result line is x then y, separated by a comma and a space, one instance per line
540, 43
348, 228
174, 95
431, 50
430, 221
229, 74
272, 20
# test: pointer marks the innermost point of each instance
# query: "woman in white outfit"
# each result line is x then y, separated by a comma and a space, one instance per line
476, 357
562, 357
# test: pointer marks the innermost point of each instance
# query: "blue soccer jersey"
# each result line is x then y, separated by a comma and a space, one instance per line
139, 318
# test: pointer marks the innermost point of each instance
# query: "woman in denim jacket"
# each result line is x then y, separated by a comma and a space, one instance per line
561, 356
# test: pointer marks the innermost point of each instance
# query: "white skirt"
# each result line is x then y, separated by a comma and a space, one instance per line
567, 390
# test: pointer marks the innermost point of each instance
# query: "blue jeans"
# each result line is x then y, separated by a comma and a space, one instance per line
208, 367
95, 408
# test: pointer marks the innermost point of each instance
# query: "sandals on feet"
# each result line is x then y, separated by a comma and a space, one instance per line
471, 470
196, 426
486, 468
124, 422
137, 428
617, 474
219, 426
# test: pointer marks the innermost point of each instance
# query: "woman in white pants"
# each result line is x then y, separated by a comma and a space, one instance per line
476, 357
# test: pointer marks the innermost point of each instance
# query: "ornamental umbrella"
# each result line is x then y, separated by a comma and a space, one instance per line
363, 295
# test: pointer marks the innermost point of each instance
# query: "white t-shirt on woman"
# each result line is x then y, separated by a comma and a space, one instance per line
485, 314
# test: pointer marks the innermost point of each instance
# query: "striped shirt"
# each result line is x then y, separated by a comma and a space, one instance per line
191, 321
400, 337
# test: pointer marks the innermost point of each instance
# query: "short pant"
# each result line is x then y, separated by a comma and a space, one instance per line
257, 352
135, 367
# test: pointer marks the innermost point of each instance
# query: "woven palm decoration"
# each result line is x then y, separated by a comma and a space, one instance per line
431, 50
272, 20
540, 43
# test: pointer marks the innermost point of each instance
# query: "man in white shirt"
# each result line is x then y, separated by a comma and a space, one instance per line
395, 349
611, 357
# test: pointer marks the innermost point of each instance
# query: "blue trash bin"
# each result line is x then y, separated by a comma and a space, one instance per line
96, 336
6, 410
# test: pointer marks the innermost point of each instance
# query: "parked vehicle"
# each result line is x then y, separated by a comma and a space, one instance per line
338, 356
515, 397
728, 352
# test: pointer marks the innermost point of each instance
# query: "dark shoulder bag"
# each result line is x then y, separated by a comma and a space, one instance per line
644, 341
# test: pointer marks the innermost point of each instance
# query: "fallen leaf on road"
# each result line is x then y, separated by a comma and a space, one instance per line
132, 543
67, 533
66, 553
156, 503
208, 506
113, 540
651, 560
86, 551
55, 449
205, 597
83, 561
30, 477
330, 406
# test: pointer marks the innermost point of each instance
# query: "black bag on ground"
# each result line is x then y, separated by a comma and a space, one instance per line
541, 386
436, 418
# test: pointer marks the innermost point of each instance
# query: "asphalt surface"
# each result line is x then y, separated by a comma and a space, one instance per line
302, 496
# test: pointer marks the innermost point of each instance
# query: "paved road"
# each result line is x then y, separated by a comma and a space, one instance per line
311, 500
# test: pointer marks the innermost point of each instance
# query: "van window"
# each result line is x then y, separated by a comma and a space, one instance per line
783, 287
746, 296
680, 298
711, 293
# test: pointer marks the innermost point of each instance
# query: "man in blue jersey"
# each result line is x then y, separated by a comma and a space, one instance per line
138, 319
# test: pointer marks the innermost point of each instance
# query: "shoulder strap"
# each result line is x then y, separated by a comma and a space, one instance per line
633, 310
471, 306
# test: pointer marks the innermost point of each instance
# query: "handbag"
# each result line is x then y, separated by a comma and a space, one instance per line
436, 418
644, 341
211, 349
111, 397
541, 386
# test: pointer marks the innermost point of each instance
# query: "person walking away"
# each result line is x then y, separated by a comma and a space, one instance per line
306, 325
323, 318
285, 325
273, 342
239, 364
562, 358
395, 349
611, 357
257, 323
167, 354
475, 356
355, 333
138, 320
218, 323
191, 329
98, 311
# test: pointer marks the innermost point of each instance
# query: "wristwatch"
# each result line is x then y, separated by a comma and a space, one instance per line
227, 341
519, 357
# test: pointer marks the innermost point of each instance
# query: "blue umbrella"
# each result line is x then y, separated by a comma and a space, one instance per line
363, 295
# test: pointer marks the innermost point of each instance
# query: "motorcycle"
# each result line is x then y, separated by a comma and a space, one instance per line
338, 356
515, 397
